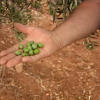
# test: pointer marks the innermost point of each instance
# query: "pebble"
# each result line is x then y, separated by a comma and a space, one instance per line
2, 42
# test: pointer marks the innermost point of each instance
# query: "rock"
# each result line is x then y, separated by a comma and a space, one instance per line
19, 68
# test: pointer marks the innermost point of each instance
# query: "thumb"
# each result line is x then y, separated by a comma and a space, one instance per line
23, 28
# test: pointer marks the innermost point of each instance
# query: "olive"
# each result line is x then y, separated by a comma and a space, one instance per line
34, 46
24, 54
31, 52
36, 51
40, 45
28, 44
18, 52
32, 42
21, 46
29, 47
26, 50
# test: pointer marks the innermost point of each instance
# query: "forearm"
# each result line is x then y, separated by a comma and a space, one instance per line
83, 21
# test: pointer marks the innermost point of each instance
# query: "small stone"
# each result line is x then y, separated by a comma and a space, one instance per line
19, 68
2, 42
59, 61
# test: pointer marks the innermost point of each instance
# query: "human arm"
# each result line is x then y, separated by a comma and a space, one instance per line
83, 21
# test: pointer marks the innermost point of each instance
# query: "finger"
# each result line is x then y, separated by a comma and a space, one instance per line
14, 61
31, 58
22, 28
12, 49
4, 59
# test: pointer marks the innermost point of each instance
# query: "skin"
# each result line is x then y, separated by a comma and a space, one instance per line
83, 21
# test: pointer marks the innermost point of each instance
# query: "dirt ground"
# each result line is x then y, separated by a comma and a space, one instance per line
70, 74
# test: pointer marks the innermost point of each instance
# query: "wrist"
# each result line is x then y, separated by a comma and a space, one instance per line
58, 39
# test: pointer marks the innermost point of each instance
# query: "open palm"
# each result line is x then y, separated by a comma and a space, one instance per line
8, 56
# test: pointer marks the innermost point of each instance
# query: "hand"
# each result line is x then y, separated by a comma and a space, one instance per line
8, 56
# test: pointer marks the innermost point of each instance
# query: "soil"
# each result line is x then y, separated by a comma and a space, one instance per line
73, 73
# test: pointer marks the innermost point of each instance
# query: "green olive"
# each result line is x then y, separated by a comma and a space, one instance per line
21, 46
40, 45
29, 47
18, 52
24, 54
32, 42
26, 50
31, 52
34, 46
28, 44
36, 51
